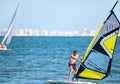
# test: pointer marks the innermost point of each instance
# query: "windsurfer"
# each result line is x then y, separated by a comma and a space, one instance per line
72, 63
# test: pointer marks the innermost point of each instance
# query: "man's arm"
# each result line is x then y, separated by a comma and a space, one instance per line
73, 57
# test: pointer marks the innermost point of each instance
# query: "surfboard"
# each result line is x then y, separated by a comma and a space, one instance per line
68, 82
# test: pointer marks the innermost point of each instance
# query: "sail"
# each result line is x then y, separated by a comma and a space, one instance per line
96, 62
8, 36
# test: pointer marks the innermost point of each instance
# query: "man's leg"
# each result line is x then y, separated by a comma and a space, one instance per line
70, 72
75, 69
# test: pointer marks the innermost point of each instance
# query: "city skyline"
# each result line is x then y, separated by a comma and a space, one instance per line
45, 32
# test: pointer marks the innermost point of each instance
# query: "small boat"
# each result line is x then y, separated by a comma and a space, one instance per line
8, 36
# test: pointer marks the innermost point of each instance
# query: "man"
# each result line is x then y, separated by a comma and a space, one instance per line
72, 63
3, 47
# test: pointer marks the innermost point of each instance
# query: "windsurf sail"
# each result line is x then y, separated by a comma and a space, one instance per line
7, 38
96, 62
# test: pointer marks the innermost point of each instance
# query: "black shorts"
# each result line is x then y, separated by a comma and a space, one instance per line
73, 65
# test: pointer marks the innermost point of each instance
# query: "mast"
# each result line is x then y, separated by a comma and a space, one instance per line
10, 26
114, 6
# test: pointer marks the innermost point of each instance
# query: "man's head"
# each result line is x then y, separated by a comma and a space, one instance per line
75, 52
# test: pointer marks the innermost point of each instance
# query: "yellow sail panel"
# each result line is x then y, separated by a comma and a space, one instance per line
92, 74
91, 44
109, 43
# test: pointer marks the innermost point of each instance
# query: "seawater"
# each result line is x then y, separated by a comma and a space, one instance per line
35, 60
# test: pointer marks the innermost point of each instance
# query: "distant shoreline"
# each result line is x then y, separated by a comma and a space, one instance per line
52, 36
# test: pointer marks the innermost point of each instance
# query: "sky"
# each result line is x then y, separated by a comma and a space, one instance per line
57, 15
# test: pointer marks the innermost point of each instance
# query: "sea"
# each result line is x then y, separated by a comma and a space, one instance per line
35, 60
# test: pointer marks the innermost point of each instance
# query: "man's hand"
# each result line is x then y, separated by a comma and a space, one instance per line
80, 58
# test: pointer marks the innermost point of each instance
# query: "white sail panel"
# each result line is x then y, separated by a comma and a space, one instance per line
10, 28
